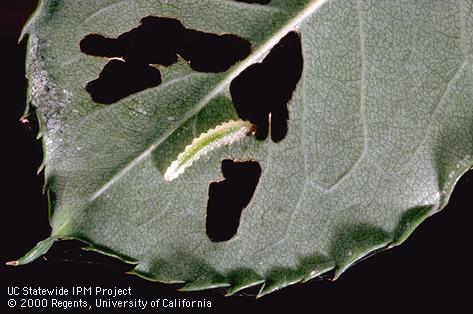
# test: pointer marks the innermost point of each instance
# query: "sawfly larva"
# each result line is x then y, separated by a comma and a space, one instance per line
224, 134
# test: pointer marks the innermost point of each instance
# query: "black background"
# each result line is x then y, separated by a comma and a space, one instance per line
432, 268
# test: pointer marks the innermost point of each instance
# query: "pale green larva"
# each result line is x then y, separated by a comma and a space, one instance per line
223, 134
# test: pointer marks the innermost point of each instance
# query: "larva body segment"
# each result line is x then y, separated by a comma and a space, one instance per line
223, 134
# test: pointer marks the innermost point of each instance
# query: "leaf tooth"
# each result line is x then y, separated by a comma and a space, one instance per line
243, 278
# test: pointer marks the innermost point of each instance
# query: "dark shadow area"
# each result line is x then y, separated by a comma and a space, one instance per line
228, 197
265, 88
157, 41
254, 1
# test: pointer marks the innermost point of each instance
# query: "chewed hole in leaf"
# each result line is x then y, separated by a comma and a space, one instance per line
228, 197
159, 41
261, 93
110, 86
213, 53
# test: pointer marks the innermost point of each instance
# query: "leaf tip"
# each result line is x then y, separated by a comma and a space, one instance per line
40, 249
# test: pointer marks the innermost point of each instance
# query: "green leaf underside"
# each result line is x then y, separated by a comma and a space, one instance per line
380, 129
